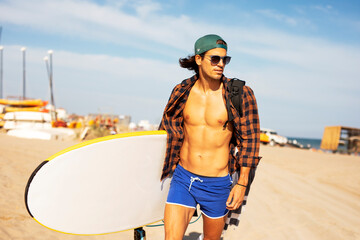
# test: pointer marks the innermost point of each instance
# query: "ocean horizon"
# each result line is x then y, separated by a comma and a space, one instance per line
307, 142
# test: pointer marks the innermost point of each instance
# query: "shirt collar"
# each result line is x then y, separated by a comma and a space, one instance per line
190, 81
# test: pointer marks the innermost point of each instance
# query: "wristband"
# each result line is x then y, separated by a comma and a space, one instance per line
241, 185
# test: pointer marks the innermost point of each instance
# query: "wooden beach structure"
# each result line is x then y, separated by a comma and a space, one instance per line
340, 138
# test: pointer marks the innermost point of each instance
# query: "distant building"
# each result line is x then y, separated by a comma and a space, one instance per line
61, 113
124, 120
341, 139
145, 125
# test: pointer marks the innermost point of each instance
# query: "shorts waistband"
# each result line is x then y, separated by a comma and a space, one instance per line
204, 178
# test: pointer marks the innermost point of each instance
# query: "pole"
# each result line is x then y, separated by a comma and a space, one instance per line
46, 59
50, 71
23, 50
1, 71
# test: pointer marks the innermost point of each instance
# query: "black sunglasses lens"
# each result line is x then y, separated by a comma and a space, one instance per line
215, 59
227, 60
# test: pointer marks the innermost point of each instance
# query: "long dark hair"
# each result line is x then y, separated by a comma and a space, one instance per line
190, 63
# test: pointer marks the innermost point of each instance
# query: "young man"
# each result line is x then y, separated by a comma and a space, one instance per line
201, 143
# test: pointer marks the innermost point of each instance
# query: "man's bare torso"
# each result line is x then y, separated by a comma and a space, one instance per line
205, 150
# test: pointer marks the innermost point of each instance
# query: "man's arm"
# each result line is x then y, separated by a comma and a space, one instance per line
169, 103
248, 155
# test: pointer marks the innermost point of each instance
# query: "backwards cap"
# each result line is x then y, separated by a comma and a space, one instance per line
209, 42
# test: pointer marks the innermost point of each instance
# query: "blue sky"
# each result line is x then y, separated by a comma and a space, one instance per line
301, 58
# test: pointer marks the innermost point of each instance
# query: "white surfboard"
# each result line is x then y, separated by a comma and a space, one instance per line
104, 185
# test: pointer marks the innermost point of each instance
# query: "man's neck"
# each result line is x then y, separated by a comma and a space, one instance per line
209, 84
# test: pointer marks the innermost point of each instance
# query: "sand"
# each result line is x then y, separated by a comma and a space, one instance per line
297, 194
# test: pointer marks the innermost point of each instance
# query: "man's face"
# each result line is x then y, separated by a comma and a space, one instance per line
209, 70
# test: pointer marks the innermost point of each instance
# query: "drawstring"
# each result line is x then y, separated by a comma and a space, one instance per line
231, 180
193, 180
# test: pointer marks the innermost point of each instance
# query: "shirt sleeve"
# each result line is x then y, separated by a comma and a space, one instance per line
170, 101
161, 125
248, 156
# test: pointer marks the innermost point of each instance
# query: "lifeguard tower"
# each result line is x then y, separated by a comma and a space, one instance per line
341, 139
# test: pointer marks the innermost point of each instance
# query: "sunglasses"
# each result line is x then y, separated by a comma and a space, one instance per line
215, 59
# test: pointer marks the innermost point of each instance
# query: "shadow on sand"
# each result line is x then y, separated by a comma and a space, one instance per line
194, 236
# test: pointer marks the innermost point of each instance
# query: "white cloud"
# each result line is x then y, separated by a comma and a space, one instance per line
146, 7
286, 70
324, 8
278, 16
311, 55
89, 20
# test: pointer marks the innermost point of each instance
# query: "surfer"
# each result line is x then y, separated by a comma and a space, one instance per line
200, 154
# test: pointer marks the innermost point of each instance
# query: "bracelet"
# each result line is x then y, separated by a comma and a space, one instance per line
241, 185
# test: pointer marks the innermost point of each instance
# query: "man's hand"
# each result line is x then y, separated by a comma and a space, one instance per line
236, 197
237, 194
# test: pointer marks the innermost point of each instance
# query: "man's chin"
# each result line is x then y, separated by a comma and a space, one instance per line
214, 76
217, 76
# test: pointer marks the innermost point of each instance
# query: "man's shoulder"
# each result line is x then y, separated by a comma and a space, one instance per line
188, 81
247, 88
181, 87
248, 94
185, 83
231, 80
247, 91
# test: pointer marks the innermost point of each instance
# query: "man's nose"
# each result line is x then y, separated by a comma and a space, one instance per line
221, 62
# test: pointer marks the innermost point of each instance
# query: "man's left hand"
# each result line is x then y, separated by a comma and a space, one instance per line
236, 197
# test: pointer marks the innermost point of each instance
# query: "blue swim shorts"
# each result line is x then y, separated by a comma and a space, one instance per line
188, 190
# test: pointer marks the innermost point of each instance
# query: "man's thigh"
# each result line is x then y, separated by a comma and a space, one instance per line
213, 227
176, 220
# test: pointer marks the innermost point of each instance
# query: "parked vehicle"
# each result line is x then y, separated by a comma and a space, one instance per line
274, 138
264, 138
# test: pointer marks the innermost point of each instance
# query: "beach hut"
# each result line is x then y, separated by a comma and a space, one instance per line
340, 138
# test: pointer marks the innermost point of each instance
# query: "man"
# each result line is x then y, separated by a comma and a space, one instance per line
201, 142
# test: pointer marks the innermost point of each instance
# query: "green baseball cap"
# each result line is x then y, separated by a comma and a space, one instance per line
209, 42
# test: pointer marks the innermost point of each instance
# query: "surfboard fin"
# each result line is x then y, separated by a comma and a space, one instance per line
139, 234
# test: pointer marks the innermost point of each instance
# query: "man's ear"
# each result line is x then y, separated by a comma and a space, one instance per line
198, 59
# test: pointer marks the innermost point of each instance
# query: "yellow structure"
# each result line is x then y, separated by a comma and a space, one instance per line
340, 135
264, 138
26, 102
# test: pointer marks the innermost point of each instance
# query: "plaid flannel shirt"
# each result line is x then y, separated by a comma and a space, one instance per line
246, 133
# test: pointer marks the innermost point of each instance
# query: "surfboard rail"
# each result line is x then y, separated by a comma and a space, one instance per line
110, 137
76, 147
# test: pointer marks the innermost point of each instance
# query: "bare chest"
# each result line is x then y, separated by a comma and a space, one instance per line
205, 109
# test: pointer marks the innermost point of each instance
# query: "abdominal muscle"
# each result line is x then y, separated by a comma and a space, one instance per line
205, 149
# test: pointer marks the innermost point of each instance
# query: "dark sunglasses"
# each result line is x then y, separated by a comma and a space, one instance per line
215, 59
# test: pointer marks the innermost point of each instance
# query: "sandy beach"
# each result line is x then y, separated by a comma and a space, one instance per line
297, 194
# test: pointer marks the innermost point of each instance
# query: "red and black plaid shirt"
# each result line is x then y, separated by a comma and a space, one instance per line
246, 128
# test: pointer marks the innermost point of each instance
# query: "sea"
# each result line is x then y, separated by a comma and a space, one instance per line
307, 142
